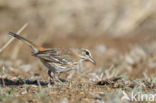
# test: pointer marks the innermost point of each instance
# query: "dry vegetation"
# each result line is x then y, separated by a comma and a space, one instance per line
120, 33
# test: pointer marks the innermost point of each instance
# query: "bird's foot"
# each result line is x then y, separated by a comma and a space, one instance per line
51, 81
58, 82
62, 80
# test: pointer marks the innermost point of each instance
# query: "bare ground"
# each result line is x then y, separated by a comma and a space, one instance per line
123, 64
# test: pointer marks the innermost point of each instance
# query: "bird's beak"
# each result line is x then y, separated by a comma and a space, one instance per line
92, 60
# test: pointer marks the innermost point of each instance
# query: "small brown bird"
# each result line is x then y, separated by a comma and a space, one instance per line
58, 60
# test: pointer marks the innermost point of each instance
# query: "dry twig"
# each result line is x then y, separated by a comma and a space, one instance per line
18, 32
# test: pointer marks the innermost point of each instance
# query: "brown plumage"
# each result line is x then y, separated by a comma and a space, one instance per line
58, 60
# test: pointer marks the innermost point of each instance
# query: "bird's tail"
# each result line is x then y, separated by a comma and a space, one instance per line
35, 47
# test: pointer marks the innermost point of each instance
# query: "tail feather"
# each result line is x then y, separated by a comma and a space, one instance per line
35, 47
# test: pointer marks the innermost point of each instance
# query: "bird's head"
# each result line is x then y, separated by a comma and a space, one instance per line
85, 55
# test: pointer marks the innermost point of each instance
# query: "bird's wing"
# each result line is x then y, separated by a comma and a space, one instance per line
53, 56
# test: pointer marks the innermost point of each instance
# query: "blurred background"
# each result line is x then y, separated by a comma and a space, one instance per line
118, 32
83, 17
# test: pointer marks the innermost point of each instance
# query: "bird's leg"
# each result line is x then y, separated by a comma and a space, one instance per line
62, 80
57, 77
51, 81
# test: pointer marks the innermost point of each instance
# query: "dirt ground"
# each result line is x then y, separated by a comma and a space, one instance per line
124, 63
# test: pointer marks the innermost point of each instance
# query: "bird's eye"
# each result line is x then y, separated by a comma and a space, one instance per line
87, 53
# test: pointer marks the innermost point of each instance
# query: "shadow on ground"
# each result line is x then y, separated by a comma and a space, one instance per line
7, 82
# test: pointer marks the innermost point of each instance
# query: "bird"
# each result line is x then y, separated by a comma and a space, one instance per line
58, 60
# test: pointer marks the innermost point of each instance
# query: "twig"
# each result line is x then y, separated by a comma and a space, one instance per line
18, 32
3, 72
